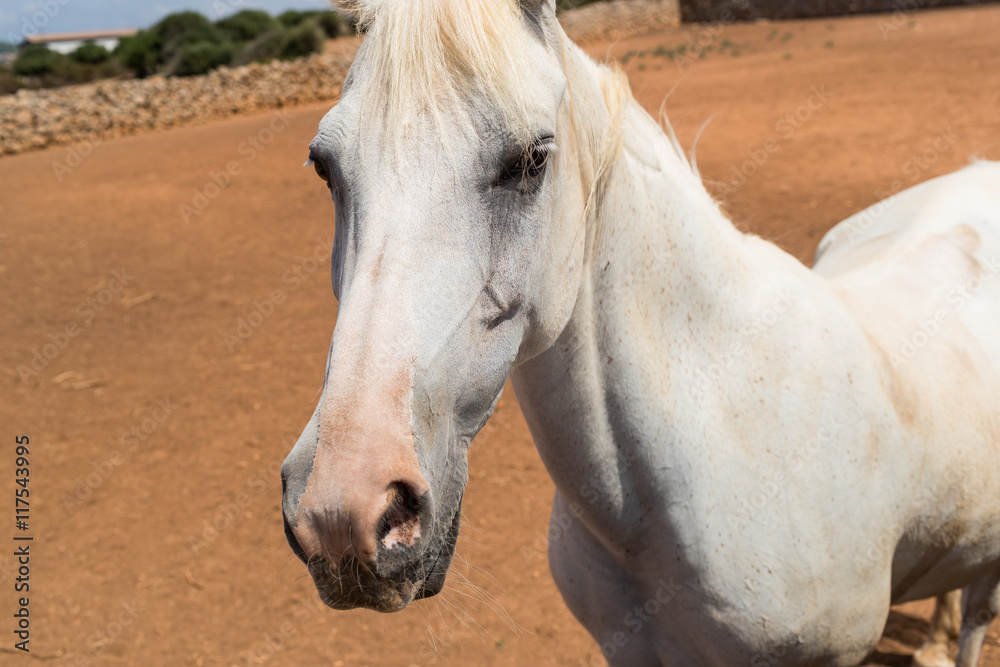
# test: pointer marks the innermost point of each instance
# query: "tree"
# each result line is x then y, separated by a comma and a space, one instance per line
90, 53
246, 25
36, 60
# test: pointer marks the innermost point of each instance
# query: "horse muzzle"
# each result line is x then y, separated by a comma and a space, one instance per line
396, 576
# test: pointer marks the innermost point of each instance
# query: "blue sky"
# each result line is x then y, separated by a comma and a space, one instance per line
19, 16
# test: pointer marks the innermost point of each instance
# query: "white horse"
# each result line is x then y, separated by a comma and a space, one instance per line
753, 460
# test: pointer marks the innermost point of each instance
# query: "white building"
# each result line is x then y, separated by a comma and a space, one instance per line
68, 42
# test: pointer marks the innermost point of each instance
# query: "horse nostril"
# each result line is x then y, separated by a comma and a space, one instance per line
408, 504
412, 503
400, 525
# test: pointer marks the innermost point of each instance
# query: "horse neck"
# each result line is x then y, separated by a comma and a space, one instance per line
665, 271
653, 231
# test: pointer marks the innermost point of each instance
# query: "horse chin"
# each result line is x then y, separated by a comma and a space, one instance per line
351, 585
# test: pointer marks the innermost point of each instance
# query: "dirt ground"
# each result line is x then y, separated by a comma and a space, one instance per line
159, 422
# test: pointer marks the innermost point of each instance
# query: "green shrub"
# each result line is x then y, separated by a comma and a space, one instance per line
8, 82
208, 34
110, 69
36, 60
246, 25
263, 49
292, 17
202, 57
140, 53
40, 67
331, 23
172, 26
302, 40
69, 71
563, 5
90, 53
286, 44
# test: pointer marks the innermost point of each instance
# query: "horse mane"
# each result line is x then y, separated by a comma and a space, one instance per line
426, 52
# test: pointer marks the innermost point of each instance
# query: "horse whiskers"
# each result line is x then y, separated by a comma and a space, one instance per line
437, 642
461, 612
285, 566
485, 548
455, 608
300, 577
468, 590
483, 596
480, 570
444, 603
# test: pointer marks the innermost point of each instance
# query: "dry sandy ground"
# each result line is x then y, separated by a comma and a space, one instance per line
158, 427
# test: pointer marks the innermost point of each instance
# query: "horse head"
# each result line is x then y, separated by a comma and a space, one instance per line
460, 173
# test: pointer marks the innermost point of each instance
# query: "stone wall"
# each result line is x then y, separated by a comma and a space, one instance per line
705, 11
31, 119
605, 21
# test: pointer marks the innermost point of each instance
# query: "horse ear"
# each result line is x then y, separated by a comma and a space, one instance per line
352, 9
355, 9
537, 6
537, 10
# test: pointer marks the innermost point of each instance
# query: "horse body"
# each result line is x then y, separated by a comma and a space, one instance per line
758, 447
752, 460
923, 284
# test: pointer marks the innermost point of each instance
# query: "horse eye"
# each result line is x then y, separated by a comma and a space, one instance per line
320, 168
529, 164
535, 162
